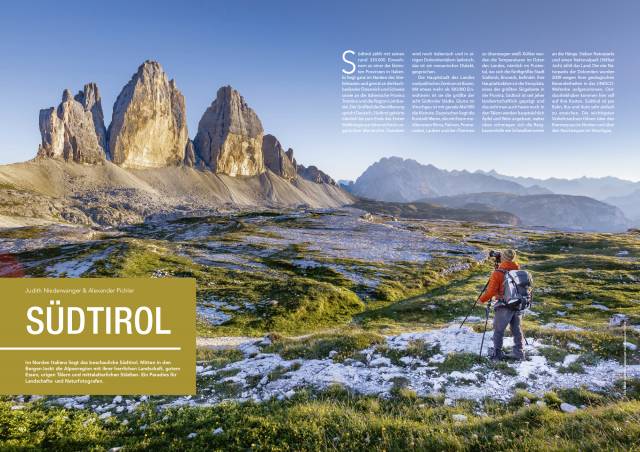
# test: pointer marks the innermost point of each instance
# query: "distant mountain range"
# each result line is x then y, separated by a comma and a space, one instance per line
567, 204
601, 188
399, 180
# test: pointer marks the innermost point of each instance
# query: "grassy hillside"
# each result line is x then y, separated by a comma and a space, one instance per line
377, 303
336, 420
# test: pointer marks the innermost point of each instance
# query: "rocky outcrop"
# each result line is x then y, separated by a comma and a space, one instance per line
75, 130
90, 100
189, 155
277, 160
290, 155
229, 138
52, 134
313, 174
149, 130
148, 127
284, 165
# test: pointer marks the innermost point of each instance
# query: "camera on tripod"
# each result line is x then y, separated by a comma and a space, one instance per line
497, 256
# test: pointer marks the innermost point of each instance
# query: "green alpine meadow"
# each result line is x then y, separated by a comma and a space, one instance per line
307, 340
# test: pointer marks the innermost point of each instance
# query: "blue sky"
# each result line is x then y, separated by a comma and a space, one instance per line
284, 57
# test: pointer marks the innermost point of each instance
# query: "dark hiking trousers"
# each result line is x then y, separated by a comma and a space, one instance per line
503, 317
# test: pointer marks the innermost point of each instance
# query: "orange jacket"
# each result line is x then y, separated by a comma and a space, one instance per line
495, 288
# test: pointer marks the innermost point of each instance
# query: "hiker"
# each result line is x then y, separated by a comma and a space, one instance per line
503, 315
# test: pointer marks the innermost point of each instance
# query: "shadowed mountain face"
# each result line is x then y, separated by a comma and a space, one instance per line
75, 130
396, 179
277, 160
630, 205
554, 211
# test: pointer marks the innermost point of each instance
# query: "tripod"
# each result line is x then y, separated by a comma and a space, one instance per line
475, 303
486, 317
486, 320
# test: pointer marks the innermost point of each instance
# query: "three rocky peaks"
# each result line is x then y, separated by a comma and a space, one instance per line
149, 130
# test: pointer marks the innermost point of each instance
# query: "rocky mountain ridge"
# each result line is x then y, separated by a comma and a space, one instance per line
624, 194
398, 180
149, 130
277, 160
600, 188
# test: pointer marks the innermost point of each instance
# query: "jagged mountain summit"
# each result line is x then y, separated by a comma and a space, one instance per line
75, 130
229, 138
149, 130
314, 174
90, 99
148, 127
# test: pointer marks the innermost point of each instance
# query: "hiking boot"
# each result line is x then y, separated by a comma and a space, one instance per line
496, 355
515, 356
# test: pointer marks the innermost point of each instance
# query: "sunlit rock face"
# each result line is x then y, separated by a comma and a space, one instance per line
277, 160
148, 127
229, 138
75, 130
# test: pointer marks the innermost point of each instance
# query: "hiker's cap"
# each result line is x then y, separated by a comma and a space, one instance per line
509, 255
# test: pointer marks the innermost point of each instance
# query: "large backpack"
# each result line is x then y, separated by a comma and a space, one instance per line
517, 289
